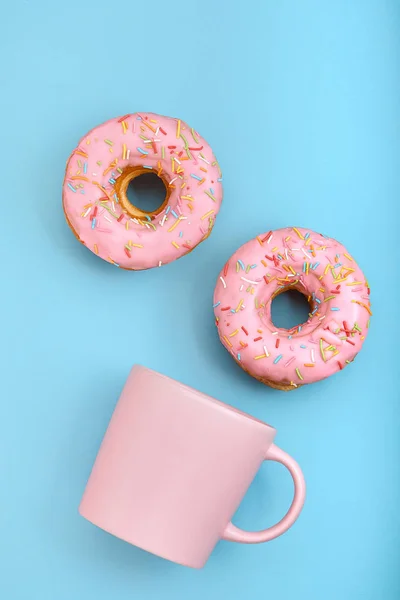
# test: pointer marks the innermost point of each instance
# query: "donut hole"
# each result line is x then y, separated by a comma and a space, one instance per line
289, 309
146, 192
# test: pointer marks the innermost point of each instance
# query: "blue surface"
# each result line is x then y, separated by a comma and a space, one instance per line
300, 101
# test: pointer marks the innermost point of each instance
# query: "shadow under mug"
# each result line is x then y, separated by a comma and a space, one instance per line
173, 468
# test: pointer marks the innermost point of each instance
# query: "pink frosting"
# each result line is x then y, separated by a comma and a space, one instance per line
322, 269
161, 144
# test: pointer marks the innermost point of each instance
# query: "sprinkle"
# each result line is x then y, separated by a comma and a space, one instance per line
175, 244
312, 356
93, 223
298, 233
216, 304
348, 256
234, 333
178, 129
96, 249
71, 187
334, 308
195, 176
364, 305
355, 283
299, 375
227, 341
278, 358
226, 308
109, 142
249, 281
321, 348
278, 341
289, 362
210, 212
223, 282
309, 365
238, 356
121, 216
329, 298
245, 330
141, 150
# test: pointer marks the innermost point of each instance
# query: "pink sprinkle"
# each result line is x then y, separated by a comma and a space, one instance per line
358, 289
290, 361
291, 348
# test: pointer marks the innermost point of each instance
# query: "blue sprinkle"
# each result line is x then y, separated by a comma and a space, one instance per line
299, 328
138, 118
233, 310
238, 356
116, 264
219, 179
315, 266
253, 266
280, 257
304, 267
334, 308
71, 187
85, 167
337, 265
111, 180
141, 150
180, 233
289, 337
147, 167
195, 177
212, 191
241, 264
174, 213
303, 346
116, 197
82, 191
318, 300
168, 209
314, 311
93, 223
278, 358
306, 236
216, 304
148, 218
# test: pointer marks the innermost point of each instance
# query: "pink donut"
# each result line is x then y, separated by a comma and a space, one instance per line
321, 269
106, 160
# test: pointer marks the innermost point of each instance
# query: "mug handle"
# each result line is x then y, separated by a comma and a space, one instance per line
234, 534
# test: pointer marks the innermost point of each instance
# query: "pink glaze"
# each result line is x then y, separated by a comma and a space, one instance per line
92, 206
319, 267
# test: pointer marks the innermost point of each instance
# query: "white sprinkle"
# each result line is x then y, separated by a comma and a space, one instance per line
87, 212
172, 180
113, 205
178, 161
201, 158
270, 238
249, 281
160, 263
163, 221
127, 154
223, 282
157, 130
275, 333
305, 253
241, 287
312, 355
94, 174
266, 351
287, 258
321, 318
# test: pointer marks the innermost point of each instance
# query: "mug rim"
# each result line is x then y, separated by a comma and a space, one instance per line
205, 397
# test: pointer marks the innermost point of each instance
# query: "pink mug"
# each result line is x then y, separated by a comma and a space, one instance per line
173, 467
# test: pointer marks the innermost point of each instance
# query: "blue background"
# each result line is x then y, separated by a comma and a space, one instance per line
301, 104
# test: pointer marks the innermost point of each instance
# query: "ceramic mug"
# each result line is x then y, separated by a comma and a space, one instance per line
173, 467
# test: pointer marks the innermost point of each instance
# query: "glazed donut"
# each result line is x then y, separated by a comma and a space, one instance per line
109, 157
321, 269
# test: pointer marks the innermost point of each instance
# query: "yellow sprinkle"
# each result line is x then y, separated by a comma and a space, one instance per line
234, 333
299, 374
175, 224
210, 212
309, 365
301, 236
307, 267
153, 121
355, 283
178, 129
127, 225
287, 238
327, 269
209, 194
329, 298
260, 356
227, 341
203, 169
239, 305
162, 152
136, 245
201, 181
123, 150
188, 198
308, 241
259, 241
274, 249
364, 305
175, 244
321, 289
348, 256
